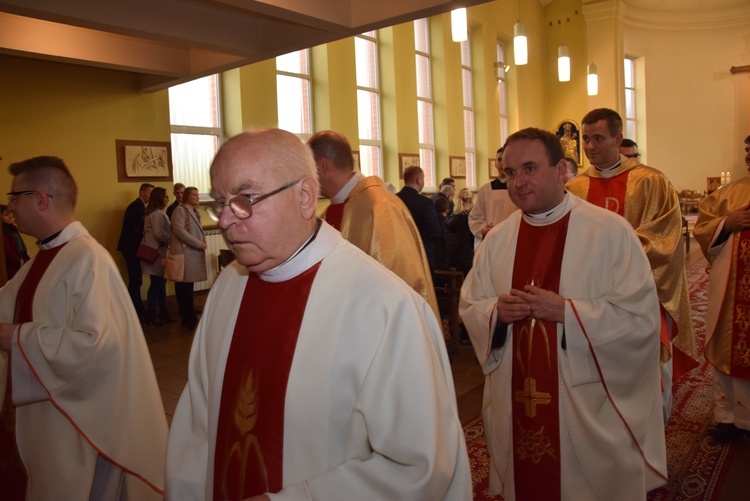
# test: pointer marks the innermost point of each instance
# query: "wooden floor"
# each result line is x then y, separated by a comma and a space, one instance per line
170, 350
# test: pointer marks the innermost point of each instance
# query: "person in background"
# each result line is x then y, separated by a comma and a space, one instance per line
315, 373
447, 190
368, 216
723, 232
15, 248
179, 189
459, 240
648, 201
89, 419
629, 148
570, 351
422, 210
156, 232
187, 238
572, 169
131, 237
442, 208
493, 204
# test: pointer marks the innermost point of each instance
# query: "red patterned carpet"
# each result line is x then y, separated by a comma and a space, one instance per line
696, 463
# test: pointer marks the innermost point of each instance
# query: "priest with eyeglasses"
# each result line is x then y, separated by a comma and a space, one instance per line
315, 372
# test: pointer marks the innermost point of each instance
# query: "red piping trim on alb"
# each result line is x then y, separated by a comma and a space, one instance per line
55, 404
609, 396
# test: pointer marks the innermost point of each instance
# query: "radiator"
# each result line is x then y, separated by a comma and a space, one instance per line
215, 242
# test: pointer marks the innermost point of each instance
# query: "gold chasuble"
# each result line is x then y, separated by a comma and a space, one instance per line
13, 473
647, 200
378, 222
535, 381
250, 433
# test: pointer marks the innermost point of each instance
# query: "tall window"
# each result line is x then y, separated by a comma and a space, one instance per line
196, 130
630, 110
502, 95
368, 103
293, 93
424, 102
467, 80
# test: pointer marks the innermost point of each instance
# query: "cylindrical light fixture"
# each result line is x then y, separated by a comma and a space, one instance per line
520, 47
459, 31
592, 80
563, 64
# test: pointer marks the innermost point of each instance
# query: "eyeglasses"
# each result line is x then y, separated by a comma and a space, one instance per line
13, 195
242, 205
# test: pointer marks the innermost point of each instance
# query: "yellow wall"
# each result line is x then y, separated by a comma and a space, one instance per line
77, 113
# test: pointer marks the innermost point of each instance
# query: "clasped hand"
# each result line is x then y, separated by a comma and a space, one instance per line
532, 301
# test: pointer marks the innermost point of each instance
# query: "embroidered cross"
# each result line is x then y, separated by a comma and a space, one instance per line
531, 398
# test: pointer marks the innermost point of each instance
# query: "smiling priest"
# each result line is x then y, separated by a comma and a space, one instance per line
316, 373
569, 344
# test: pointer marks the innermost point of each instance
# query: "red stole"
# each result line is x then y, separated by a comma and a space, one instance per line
250, 436
535, 380
335, 214
740, 357
13, 475
609, 193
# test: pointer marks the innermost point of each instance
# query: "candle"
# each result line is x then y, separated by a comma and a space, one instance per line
723, 178
729, 177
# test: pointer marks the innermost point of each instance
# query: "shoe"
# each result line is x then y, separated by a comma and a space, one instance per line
167, 319
724, 433
191, 323
154, 320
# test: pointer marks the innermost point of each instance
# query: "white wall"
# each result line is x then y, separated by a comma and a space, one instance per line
696, 110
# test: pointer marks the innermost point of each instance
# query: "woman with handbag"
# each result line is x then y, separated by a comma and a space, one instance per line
189, 241
156, 231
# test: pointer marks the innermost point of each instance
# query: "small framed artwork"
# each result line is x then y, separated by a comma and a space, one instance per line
142, 161
458, 167
492, 170
355, 159
569, 133
406, 160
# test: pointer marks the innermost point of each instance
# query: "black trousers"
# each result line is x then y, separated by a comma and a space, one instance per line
184, 293
135, 280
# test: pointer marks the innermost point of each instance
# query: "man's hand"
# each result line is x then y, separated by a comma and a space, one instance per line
511, 308
6, 335
486, 229
542, 303
737, 220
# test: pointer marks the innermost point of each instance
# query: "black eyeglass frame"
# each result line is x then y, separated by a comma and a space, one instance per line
246, 202
13, 195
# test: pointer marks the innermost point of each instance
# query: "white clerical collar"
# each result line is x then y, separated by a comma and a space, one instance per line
553, 215
314, 249
62, 237
348, 187
611, 171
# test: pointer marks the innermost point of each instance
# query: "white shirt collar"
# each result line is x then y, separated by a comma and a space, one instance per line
552, 215
341, 196
65, 235
304, 259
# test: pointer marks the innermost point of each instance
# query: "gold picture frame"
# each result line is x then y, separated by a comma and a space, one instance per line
406, 160
457, 167
143, 161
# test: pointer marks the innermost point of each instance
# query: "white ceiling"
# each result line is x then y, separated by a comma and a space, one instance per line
167, 42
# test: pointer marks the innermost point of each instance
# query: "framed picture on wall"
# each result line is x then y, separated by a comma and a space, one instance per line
406, 160
569, 133
143, 161
458, 167
492, 169
355, 159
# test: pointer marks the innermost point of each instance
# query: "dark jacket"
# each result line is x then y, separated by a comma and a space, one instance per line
132, 227
459, 242
423, 211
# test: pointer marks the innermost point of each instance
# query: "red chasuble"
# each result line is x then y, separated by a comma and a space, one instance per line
12, 474
250, 436
335, 214
609, 193
740, 359
535, 384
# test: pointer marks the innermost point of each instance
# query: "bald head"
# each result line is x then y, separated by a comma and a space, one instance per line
264, 232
